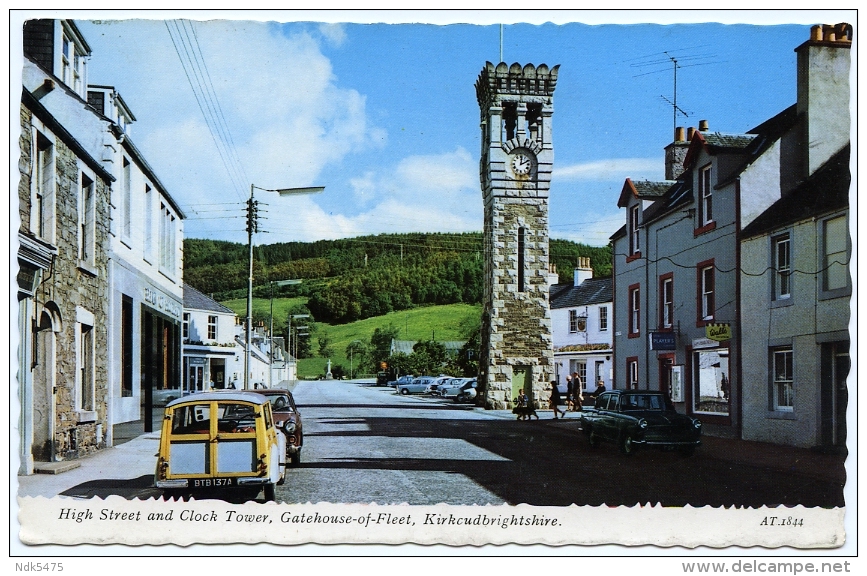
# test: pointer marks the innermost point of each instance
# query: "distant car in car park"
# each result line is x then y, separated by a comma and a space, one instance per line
451, 388
467, 392
438, 383
405, 379
287, 418
420, 385
163, 397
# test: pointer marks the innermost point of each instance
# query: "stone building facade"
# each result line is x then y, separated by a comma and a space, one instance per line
516, 159
64, 196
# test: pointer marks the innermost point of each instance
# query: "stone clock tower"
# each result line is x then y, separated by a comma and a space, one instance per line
517, 155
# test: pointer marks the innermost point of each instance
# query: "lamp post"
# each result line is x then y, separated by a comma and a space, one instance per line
271, 327
289, 334
351, 355
253, 226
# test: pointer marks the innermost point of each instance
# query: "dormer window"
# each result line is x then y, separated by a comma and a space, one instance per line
72, 62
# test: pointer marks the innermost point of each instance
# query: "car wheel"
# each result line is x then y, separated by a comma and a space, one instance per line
404, 391
627, 446
270, 492
593, 439
296, 458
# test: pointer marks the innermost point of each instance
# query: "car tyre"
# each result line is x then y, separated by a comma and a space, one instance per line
270, 492
404, 391
295, 459
593, 439
627, 445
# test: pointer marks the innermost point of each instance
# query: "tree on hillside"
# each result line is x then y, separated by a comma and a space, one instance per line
325, 350
359, 357
380, 343
428, 357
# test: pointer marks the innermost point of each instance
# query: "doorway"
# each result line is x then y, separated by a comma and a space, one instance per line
835, 394
521, 378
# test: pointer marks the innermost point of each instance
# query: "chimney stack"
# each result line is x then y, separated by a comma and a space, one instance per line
583, 271
675, 153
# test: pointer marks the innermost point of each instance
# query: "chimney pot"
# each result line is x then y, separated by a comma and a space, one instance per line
828, 33
678, 134
703, 126
816, 33
690, 133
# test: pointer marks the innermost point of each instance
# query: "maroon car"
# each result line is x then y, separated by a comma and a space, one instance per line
288, 419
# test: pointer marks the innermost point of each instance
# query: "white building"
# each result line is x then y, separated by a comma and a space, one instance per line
581, 325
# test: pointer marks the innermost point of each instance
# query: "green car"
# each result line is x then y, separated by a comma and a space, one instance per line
637, 418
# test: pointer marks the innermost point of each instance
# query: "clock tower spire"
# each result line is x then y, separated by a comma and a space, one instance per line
516, 104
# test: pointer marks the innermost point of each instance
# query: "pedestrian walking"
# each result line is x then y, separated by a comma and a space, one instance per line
569, 384
577, 393
555, 400
521, 405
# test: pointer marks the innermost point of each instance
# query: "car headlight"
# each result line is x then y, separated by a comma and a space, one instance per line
289, 427
642, 423
696, 423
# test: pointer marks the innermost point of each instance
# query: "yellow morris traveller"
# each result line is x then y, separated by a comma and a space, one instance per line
220, 443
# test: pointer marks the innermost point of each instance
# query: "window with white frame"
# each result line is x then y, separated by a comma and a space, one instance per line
603, 318
782, 247
86, 382
667, 301
167, 240
127, 198
634, 238
149, 218
581, 369
784, 391
573, 321
72, 64
186, 327
87, 221
835, 241
705, 205
634, 310
42, 204
706, 293
212, 327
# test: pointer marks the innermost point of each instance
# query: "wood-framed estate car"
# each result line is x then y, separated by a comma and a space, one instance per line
222, 442
287, 418
635, 418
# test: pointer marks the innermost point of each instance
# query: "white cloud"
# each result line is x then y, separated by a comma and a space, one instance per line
335, 34
611, 169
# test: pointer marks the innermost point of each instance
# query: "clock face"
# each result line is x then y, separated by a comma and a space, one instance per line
521, 164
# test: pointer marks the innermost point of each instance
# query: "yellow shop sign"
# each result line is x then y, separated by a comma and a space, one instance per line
718, 332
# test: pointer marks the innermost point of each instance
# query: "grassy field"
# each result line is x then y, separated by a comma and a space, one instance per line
262, 306
440, 323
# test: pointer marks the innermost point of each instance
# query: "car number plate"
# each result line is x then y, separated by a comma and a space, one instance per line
212, 482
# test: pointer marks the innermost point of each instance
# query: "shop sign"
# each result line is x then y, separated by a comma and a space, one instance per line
162, 302
704, 343
718, 332
663, 341
196, 361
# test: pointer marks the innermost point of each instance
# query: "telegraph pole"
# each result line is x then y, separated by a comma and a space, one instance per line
252, 226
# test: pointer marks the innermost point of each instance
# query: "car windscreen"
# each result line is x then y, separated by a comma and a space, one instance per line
643, 402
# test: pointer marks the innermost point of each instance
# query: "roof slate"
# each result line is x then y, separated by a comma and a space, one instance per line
195, 300
591, 291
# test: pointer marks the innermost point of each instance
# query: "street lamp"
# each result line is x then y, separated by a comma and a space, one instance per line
271, 328
253, 226
289, 334
351, 354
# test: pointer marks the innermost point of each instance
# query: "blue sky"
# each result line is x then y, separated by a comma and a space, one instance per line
385, 115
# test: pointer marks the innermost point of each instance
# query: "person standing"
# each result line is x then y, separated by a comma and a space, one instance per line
570, 382
555, 400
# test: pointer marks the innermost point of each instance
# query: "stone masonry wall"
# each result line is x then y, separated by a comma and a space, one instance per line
69, 285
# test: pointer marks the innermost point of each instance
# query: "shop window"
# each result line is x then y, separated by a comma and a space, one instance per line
711, 381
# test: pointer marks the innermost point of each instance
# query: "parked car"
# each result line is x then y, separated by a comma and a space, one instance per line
438, 382
632, 418
451, 388
163, 397
468, 392
288, 419
222, 441
420, 385
405, 379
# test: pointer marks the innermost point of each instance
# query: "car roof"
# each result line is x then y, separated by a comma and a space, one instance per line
273, 391
233, 396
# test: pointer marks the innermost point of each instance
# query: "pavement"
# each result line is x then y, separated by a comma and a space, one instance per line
136, 458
